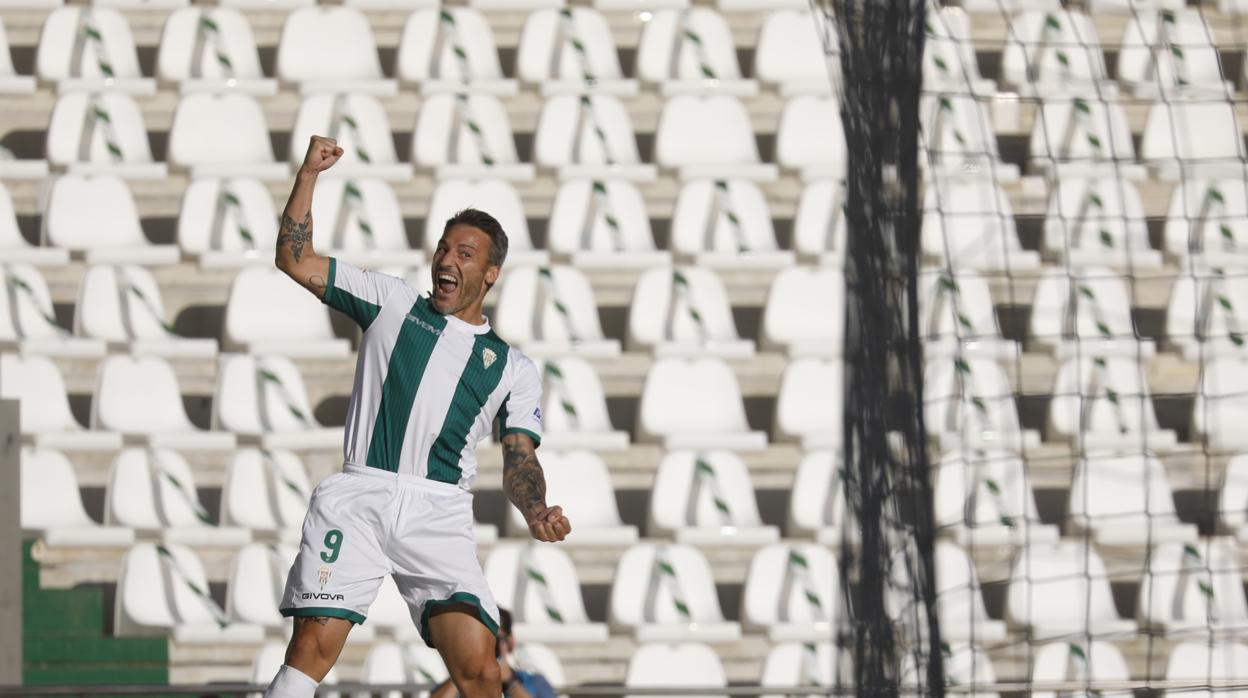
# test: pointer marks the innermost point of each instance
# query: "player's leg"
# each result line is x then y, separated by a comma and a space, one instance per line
468, 648
314, 648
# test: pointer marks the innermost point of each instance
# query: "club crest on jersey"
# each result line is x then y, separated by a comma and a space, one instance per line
488, 356
324, 576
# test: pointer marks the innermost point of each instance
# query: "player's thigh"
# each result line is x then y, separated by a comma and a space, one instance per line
467, 646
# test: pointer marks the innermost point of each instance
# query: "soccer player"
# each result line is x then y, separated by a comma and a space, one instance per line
430, 379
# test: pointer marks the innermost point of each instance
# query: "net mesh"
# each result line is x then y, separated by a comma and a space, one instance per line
1046, 369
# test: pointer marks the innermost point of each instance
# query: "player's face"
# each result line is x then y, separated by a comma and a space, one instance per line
461, 269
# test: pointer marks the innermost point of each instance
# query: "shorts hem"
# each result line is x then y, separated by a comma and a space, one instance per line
324, 611
456, 598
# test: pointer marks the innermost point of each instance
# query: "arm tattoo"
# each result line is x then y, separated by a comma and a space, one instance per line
296, 235
316, 281
319, 620
523, 480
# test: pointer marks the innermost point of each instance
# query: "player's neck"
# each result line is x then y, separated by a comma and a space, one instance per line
473, 314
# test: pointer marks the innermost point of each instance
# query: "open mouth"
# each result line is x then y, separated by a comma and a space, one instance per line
446, 283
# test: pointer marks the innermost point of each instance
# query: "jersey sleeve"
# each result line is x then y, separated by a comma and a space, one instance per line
358, 293
521, 412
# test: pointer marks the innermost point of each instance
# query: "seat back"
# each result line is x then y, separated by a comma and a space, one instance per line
451, 29
959, 598
265, 490
49, 491
1208, 215
971, 395
962, 664
26, 310
357, 121
152, 489
667, 49
948, 52
818, 496
36, 383
710, 490
705, 130
113, 54
1221, 403
219, 128
805, 305
1197, 583
529, 306
1062, 583
327, 43
257, 580
85, 213
584, 129
98, 128
1233, 502
444, 133
983, 488
691, 396
1104, 214
810, 398
572, 397
1079, 660
497, 196
819, 225
1192, 132
640, 595
956, 307
810, 133
790, 49
358, 214
302, 316
1055, 47
581, 483
119, 406
1103, 395
538, 583
779, 580
957, 134
160, 587
1101, 307
119, 304
227, 215
570, 228
547, 50
705, 212
1206, 661
687, 305
1083, 130
195, 38
1148, 56
691, 665
788, 664
257, 395
969, 223
10, 233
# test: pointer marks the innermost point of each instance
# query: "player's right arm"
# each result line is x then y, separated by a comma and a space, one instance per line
295, 254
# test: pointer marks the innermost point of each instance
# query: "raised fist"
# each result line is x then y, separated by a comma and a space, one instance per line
322, 154
550, 525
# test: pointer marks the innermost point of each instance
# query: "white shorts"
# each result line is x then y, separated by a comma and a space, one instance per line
365, 523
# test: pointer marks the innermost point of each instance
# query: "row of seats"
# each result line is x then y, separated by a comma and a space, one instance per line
982, 498
665, 592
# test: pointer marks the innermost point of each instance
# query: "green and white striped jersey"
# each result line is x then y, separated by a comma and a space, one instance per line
427, 385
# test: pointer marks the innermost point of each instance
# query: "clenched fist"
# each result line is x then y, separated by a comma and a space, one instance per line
322, 154
550, 525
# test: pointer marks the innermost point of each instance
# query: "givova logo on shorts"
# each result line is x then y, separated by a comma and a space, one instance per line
321, 596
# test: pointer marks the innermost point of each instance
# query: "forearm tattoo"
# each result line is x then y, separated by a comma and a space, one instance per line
523, 480
295, 235
319, 620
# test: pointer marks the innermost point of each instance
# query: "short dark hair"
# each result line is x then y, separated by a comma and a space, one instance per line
485, 223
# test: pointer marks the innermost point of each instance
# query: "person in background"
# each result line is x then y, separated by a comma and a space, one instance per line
516, 683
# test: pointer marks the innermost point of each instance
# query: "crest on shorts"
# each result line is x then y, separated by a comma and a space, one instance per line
488, 356
324, 576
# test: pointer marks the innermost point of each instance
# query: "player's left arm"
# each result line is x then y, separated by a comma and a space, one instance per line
525, 485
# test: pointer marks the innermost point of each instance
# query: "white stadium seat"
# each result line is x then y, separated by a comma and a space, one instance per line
706, 498
1129, 7
808, 405
581, 483
958, 139
589, 136
257, 580
1149, 62
962, 664
788, 664
331, 49
817, 500
537, 658
390, 615
685, 665
819, 228
949, 62
499, 197
805, 312
360, 221
122, 305
266, 490
1104, 402
1182, 140
1221, 404
51, 504
14, 248
211, 49
790, 53
984, 498
550, 58
810, 139
451, 49
153, 491
1086, 313
1079, 660
726, 224
957, 316
704, 136
1206, 221
550, 312
43, 406
1083, 136
97, 217
1054, 52
467, 136
959, 597
684, 311
1098, 222
540, 586
155, 414
28, 321
10, 82
695, 403
1193, 588
969, 402
358, 122
969, 224
227, 222
599, 224
89, 48
1062, 589
263, 399
690, 50
792, 592
665, 593
101, 132
301, 328
394, 663
1233, 501
163, 591
223, 135
1124, 500
1202, 662
574, 407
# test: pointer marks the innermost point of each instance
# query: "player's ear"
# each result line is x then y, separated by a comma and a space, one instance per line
491, 274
